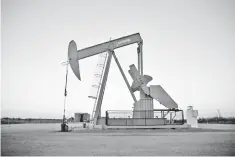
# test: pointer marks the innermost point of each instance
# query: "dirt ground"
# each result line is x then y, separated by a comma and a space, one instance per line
45, 139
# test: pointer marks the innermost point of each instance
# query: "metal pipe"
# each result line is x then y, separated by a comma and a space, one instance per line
124, 77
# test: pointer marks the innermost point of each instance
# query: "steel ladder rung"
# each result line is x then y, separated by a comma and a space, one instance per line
92, 97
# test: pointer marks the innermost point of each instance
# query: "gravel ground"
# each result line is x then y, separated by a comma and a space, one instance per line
45, 139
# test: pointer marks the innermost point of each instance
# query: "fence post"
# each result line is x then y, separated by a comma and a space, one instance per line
182, 117
106, 118
170, 117
145, 117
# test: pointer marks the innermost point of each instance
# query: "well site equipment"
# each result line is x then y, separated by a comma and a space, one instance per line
192, 116
139, 84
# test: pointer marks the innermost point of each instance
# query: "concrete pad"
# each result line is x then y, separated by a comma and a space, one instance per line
151, 127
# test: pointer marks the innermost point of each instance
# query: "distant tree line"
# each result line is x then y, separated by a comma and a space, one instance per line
7, 120
213, 120
217, 120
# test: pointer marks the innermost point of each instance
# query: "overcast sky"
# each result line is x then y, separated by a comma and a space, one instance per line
189, 49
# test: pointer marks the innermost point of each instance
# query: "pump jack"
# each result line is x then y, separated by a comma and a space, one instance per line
140, 81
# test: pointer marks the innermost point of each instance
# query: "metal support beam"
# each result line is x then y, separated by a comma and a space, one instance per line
140, 65
102, 88
141, 58
138, 55
124, 77
164, 115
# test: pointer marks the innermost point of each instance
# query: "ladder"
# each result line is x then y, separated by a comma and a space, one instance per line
98, 76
